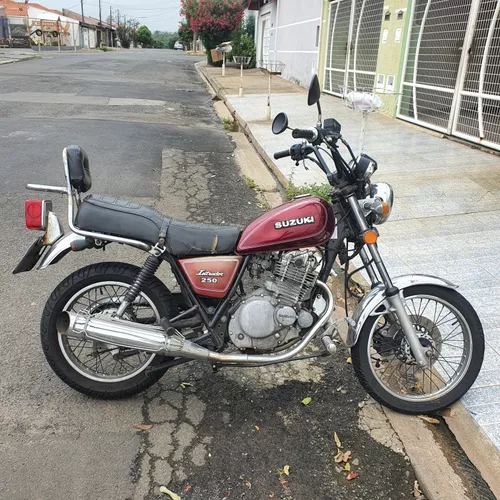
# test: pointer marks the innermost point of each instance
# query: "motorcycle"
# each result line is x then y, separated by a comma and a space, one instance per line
251, 297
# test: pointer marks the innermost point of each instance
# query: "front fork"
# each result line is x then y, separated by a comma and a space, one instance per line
392, 293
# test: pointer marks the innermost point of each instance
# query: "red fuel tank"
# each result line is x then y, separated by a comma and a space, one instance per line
304, 222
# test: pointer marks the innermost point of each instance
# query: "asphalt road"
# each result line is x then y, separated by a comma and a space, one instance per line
230, 432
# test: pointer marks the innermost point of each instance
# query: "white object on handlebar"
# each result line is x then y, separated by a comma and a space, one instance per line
365, 102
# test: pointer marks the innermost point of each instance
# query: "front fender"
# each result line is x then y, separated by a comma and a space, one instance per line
60, 248
371, 302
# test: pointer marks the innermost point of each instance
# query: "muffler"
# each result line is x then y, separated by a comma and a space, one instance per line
122, 333
151, 338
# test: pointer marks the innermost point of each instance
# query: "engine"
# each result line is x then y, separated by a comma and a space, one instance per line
273, 314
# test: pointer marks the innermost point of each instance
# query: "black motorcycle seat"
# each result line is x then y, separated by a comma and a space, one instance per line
127, 219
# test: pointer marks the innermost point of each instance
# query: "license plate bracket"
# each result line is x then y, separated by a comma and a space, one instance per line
31, 257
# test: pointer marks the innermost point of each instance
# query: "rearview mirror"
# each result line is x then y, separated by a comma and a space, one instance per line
280, 123
314, 91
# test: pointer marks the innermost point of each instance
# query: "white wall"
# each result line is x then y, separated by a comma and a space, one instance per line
263, 11
69, 28
294, 33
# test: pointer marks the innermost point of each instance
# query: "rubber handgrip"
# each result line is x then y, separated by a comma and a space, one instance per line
281, 154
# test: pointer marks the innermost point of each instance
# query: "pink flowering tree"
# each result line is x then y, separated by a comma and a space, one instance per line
213, 20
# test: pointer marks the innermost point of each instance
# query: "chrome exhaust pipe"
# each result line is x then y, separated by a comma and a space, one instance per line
152, 338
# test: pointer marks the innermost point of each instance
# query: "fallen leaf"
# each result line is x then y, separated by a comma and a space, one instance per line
185, 384
347, 456
171, 494
187, 489
429, 420
272, 495
228, 494
257, 428
283, 481
337, 440
349, 360
339, 457
339, 469
448, 412
286, 470
352, 475
339, 388
306, 401
355, 461
347, 466
248, 484
416, 489
143, 427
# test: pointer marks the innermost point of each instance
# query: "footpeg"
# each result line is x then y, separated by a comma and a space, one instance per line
329, 344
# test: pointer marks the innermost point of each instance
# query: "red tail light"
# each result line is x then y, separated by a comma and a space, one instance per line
35, 213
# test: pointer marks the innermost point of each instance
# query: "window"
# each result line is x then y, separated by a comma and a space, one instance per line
380, 82
385, 35
390, 84
400, 15
387, 16
397, 36
317, 36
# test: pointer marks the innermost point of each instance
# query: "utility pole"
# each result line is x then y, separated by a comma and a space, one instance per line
111, 26
83, 17
118, 14
100, 18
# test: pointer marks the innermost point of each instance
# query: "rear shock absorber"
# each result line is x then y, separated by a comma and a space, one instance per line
147, 271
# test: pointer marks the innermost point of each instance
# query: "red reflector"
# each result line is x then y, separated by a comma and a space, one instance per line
33, 214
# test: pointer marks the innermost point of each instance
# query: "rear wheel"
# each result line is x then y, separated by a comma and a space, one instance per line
95, 368
450, 330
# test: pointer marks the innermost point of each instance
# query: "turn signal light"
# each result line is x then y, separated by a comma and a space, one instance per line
370, 237
35, 213
386, 209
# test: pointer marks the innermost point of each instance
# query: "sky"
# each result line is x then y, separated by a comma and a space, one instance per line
161, 15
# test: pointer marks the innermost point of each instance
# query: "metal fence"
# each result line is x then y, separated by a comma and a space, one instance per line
353, 44
451, 80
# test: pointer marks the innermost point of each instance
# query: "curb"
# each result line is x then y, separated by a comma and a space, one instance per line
476, 445
12, 61
242, 124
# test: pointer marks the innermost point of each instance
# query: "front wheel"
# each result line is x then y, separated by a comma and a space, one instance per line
97, 369
450, 330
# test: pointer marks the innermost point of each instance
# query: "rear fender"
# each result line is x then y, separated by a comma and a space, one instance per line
61, 248
376, 298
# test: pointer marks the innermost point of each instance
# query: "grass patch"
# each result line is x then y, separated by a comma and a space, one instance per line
251, 183
229, 125
321, 190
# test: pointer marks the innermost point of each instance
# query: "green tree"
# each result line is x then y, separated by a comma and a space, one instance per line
243, 40
213, 20
127, 33
185, 34
164, 39
144, 36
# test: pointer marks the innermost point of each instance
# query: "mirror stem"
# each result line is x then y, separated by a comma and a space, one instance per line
320, 118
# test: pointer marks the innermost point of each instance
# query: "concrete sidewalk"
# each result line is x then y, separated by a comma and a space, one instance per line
15, 55
446, 217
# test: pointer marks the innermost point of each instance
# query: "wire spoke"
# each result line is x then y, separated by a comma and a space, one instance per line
446, 334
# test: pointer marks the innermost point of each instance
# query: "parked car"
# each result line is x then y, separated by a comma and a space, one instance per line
178, 46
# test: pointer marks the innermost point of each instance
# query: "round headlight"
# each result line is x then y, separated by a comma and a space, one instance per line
385, 194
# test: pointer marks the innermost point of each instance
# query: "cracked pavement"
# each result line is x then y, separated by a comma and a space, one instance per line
228, 433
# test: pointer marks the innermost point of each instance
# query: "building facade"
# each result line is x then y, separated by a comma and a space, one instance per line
435, 63
288, 32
